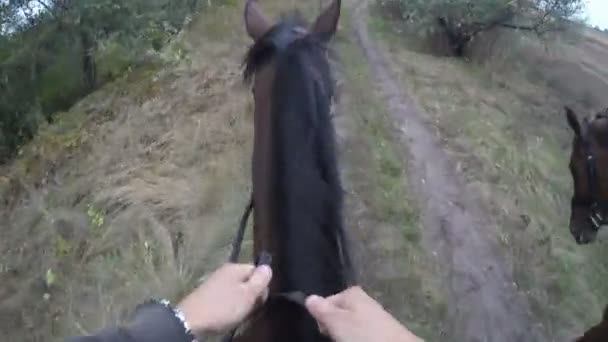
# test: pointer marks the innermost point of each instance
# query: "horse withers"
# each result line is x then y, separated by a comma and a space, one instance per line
297, 194
589, 167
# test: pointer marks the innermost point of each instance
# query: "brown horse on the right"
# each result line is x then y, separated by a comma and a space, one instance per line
588, 165
589, 168
598, 333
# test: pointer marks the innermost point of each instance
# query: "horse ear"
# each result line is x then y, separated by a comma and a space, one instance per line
573, 121
255, 21
327, 22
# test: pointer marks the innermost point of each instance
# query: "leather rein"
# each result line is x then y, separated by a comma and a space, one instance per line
264, 258
598, 206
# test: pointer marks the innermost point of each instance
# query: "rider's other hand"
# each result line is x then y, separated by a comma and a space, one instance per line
353, 316
226, 298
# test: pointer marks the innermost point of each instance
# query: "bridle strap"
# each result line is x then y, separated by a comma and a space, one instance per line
598, 207
264, 258
240, 234
237, 243
592, 172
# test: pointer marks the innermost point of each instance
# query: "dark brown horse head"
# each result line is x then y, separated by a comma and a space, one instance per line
271, 38
589, 168
598, 333
297, 191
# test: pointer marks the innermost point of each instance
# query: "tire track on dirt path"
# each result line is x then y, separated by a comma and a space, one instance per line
484, 303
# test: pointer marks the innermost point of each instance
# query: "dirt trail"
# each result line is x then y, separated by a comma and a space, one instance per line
484, 304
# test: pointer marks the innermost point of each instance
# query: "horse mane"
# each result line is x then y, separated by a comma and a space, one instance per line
308, 197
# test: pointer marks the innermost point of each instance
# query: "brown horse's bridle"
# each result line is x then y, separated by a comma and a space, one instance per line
264, 258
598, 206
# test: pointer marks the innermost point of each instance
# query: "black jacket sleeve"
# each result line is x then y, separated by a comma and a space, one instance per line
152, 323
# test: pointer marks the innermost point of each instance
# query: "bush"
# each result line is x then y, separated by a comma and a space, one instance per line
114, 58
59, 84
461, 21
51, 59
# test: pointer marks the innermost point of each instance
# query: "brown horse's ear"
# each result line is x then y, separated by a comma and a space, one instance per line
255, 21
573, 121
327, 22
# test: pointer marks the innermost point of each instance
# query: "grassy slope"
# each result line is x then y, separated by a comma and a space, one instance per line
509, 137
133, 193
136, 191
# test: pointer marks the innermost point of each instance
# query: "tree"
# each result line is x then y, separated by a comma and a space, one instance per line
41, 42
463, 20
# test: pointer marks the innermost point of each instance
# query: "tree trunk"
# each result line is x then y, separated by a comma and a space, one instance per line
89, 67
458, 38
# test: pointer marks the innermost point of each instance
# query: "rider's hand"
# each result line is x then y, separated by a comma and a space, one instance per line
353, 316
226, 298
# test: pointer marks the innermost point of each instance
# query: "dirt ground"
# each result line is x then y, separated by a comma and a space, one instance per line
380, 213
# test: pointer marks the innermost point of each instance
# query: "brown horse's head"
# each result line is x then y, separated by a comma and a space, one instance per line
598, 333
589, 168
297, 192
271, 38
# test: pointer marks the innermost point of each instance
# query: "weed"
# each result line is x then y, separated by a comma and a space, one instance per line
96, 217
63, 247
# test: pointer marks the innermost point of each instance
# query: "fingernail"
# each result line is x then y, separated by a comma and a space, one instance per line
312, 300
266, 270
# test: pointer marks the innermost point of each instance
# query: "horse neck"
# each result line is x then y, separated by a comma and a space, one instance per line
306, 187
299, 220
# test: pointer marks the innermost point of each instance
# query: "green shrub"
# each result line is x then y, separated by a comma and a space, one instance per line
50, 61
60, 84
461, 21
113, 59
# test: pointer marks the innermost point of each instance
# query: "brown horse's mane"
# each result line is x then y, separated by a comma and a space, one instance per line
312, 255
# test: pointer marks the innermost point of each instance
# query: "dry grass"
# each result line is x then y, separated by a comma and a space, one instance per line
508, 133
